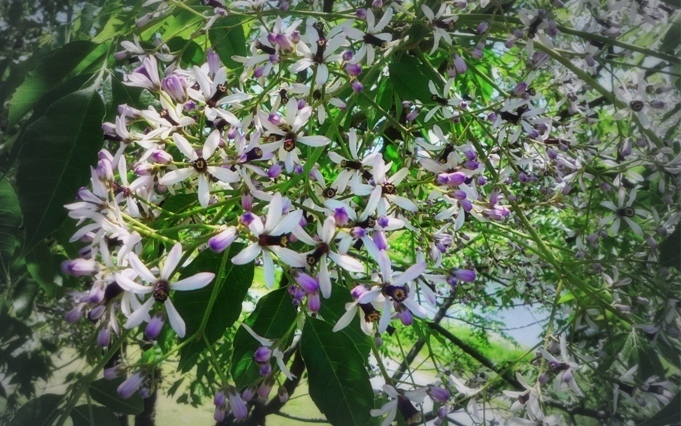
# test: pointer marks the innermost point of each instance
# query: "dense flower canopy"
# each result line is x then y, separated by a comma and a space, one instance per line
386, 166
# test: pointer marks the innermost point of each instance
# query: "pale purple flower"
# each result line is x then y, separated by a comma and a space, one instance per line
160, 288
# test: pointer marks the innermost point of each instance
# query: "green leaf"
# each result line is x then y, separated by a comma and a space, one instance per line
93, 415
272, 318
670, 42
409, 79
228, 39
670, 250
234, 282
10, 220
106, 393
337, 377
648, 361
56, 66
55, 159
23, 297
41, 411
40, 265
666, 416
331, 311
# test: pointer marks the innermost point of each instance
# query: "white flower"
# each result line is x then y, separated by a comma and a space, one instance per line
323, 251
199, 166
372, 38
623, 210
320, 52
291, 132
272, 237
160, 288
401, 400
384, 190
441, 27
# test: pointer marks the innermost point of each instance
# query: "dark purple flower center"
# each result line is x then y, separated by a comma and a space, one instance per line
161, 290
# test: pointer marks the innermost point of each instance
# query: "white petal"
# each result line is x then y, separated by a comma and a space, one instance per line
183, 145
268, 266
346, 262
328, 230
204, 190
262, 340
410, 274
176, 321
324, 278
288, 223
247, 255
223, 174
314, 140
140, 315
194, 282
141, 269
211, 144
415, 308
129, 285
386, 316
172, 261
273, 213
403, 202
290, 257
175, 176
347, 317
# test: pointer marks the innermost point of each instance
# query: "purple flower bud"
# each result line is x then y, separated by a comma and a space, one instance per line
412, 115
265, 389
357, 86
262, 354
224, 239
358, 232
259, 72
405, 317
283, 394
347, 55
161, 156
466, 275
438, 394
143, 169
377, 4
74, 315
283, 42
79, 267
309, 284
174, 86
510, 41
552, 29
131, 385
380, 240
460, 64
265, 369
154, 327
453, 179
247, 218
249, 393
219, 414
378, 340
494, 197
314, 302
275, 171
357, 291
482, 180
97, 313
237, 405
522, 177
220, 400
482, 27
284, 5
112, 373
104, 170
341, 216
353, 69
213, 61
605, 187
443, 411
520, 88
657, 104
361, 14
298, 169
104, 337
275, 119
